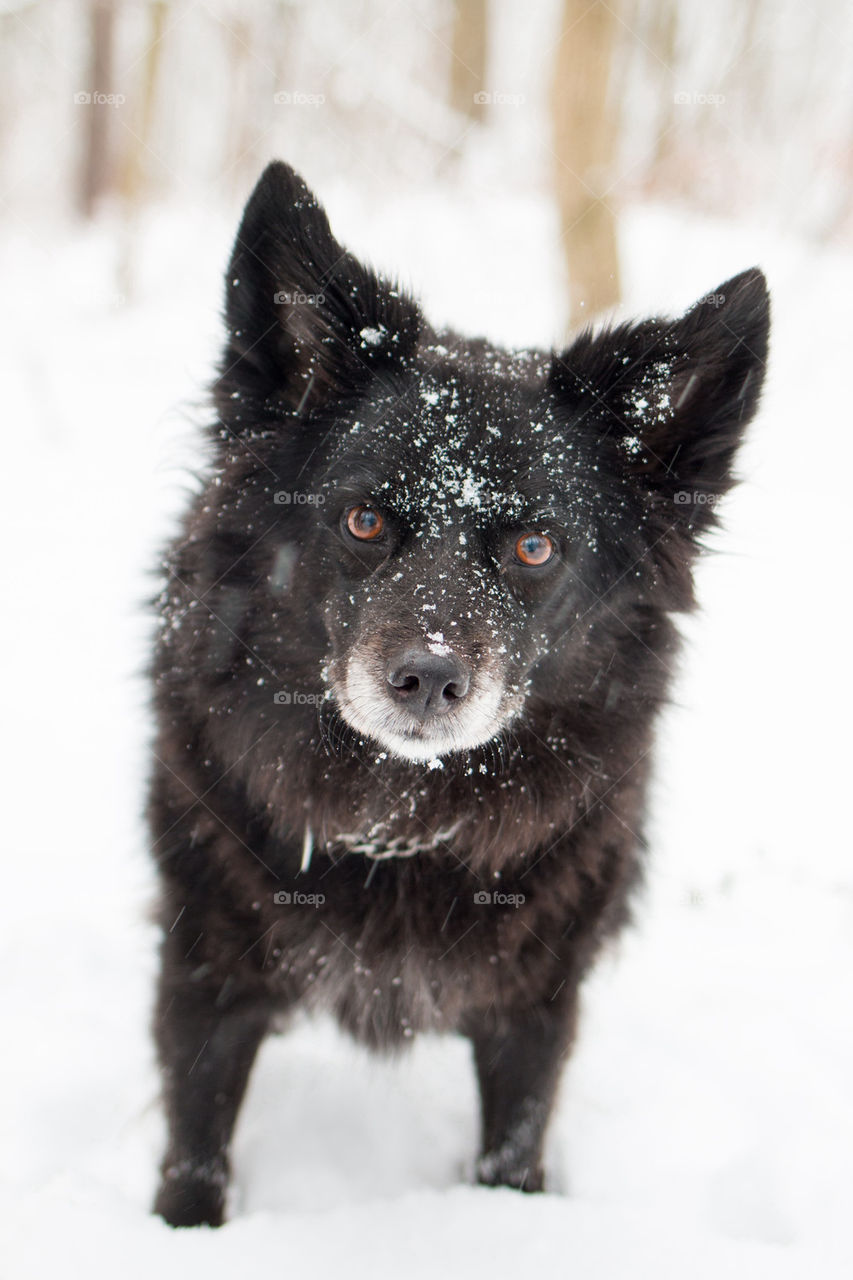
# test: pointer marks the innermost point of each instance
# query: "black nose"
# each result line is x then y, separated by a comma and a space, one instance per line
427, 684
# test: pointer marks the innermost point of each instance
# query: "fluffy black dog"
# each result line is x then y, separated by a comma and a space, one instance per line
415, 634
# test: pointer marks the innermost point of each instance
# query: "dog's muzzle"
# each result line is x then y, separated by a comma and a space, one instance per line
422, 701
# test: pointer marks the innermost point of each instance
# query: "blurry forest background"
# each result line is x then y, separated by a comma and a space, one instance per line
742, 106
521, 165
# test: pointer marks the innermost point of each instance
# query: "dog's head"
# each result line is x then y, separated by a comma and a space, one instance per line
466, 514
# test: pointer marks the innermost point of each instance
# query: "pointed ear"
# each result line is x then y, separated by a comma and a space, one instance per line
305, 319
673, 399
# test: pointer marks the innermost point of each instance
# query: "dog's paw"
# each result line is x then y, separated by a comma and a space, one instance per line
192, 1195
503, 1169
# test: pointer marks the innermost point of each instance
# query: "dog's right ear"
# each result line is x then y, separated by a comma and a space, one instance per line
305, 319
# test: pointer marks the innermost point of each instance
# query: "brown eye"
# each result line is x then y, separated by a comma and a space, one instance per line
364, 523
534, 549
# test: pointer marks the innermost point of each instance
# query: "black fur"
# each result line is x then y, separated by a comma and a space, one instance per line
333, 393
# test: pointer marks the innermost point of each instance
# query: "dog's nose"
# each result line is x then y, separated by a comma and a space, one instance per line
427, 684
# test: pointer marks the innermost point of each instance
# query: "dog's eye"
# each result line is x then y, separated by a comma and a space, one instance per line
533, 549
364, 523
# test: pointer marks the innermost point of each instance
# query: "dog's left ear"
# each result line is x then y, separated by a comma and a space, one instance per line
672, 399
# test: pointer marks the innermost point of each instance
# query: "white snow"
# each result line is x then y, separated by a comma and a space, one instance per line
437, 644
372, 336
706, 1125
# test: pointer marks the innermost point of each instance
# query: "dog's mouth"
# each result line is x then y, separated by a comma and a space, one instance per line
422, 704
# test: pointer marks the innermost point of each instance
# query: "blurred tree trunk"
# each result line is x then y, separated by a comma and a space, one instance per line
138, 142
468, 56
585, 134
96, 173
239, 162
662, 43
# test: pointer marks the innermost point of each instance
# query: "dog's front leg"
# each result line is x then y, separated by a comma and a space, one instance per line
518, 1068
206, 1053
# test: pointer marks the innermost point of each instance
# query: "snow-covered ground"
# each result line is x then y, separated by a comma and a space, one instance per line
706, 1122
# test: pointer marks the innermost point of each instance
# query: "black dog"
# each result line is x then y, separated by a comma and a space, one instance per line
415, 635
